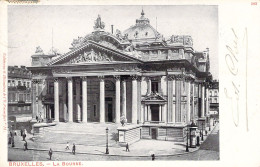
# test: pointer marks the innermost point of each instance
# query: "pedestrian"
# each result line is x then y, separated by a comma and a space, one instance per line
37, 119
25, 146
9, 140
68, 146
24, 136
21, 132
50, 153
127, 147
153, 157
73, 149
12, 141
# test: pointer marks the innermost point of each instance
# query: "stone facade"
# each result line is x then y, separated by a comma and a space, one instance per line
137, 74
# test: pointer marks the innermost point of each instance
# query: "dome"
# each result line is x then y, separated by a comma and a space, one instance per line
141, 30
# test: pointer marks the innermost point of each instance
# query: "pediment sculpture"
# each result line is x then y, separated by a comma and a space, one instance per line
39, 50
99, 24
77, 42
91, 56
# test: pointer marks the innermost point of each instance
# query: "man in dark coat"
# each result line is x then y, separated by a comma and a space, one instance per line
24, 136
50, 153
12, 141
153, 157
73, 149
21, 132
127, 147
25, 146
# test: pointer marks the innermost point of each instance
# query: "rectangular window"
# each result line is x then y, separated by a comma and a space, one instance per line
28, 97
19, 83
154, 86
20, 97
95, 114
28, 84
51, 89
216, 93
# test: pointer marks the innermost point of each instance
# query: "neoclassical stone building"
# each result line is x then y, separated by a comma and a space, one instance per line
137, 74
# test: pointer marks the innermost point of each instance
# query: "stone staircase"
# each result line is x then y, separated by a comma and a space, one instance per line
80, 133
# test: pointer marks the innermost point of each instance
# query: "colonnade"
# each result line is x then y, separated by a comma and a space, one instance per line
84, 79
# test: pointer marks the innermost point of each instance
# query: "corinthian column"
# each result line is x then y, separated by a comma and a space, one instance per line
124, 98
102, 99
78, 107
134, 99
84, 100
117, 78
56, 99
188, 100
170, 114
70, 99
178, 93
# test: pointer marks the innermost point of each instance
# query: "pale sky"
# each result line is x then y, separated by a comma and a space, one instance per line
31, 26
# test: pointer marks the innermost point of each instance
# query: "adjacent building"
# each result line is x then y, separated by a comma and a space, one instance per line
19, 94
157, 83
214, 98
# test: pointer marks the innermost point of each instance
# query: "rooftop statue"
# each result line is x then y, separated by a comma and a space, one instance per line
99, 24
38, 50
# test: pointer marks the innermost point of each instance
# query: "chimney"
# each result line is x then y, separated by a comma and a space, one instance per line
112, 28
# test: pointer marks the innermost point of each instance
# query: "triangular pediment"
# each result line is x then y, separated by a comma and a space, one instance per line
92, 52
153, 97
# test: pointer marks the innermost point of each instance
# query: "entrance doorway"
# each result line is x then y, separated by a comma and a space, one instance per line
109, 109
49, 111
52, 111
155, 112
109, 112
154, 133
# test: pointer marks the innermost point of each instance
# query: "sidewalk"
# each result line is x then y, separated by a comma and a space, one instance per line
141, 148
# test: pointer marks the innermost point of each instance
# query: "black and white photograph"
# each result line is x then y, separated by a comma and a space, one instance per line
113, 83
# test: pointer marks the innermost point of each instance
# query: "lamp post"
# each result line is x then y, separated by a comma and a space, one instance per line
107, 151
202, 132
187, 146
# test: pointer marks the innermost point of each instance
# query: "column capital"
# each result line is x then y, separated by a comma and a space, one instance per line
147, 78
117, 77
35, 81
69, 79
56, 79
204, 84
189, 79
101, 77
134, 77
139, 78
170, 77
84, 78
179, 77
